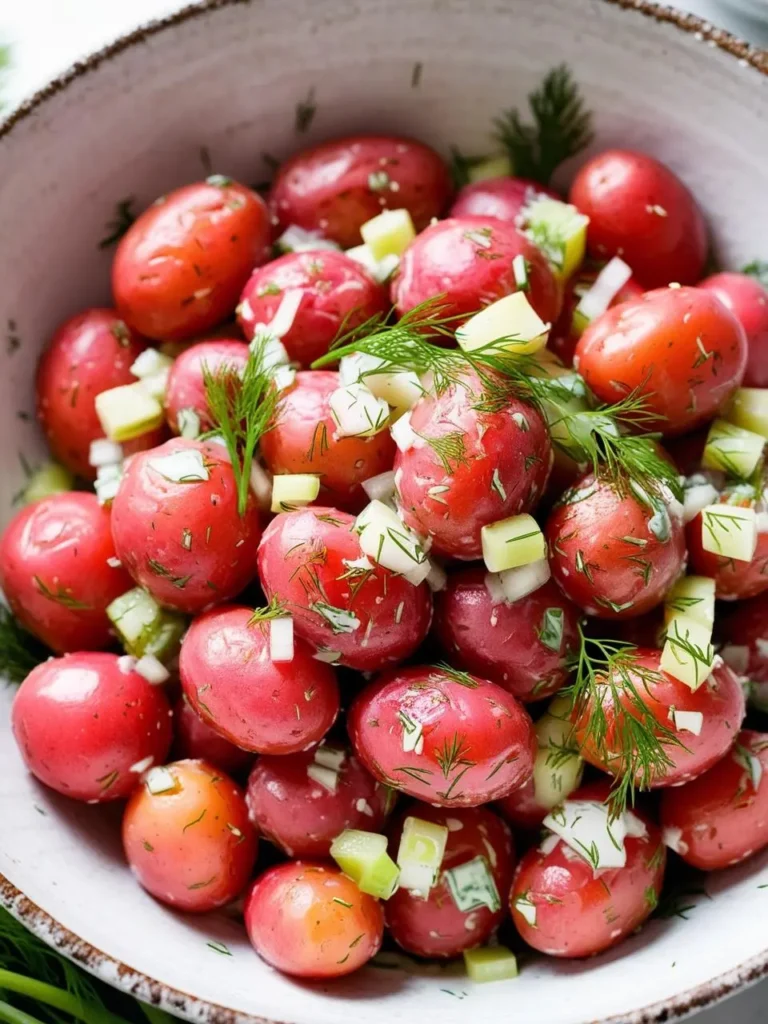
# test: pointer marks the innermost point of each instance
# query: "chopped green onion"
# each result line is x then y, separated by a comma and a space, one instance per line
144, 627
50, 478
490, 963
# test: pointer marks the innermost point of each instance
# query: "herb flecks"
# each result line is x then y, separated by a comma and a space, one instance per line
20, 652
122, 219
305, 112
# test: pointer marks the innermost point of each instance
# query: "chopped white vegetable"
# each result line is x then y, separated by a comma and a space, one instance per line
513, 542
751, 762
186, 466
687, 721
357, 412
339, 619
281, 639
526, 908
413, 741
437, 577
188, 421
403, 434
673, 838
420, 855
585, 826
519, 583
153, 670
142, 766
107, 482
159, 780
326, 777
386, 539
692, 596
283, 319
732, 449
696, 498
330, 757
380, 487
104, 452
380, 270
296, 239
730, 531
293, 490
128, 411
749, 409
510, 322
149, 363
388, 234
606, 287
688, 654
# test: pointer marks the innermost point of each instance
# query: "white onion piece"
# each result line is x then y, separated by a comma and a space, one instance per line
104, 452
736, 656
380, 487
281, 639
352, 368
403, 434
297, 239
188, 421
357, 411
142, 766
126, 663
606, 287
330, 757
687, 721
284, 377
437, 577
696, 498
524, 580
586, 827
152, 669
283, 319
673, 838
185, 466
328, 778
160, 780
495, 589
388, 541
149, 363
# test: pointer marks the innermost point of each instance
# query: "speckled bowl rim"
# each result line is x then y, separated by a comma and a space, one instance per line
141, 985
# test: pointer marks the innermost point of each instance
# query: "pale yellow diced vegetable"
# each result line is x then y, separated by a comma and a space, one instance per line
749, 410
128, 411
732, 449
512, 542
388, 234
560, 231
511, 320
730, 531
688, 654
293, 490
692, 596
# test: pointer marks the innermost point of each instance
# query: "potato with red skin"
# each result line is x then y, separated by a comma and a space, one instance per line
303, 440
192, 846
230, 681
504, 198
300, 815
579, 913
720, 701
747, 299
56, 571
337, 294
186, 383
307, 560
521, 808
640, 210
496, 466
88, 725
744, 632
180, 267
435, 927
463, 263
563, 339
614, 555
89, 353
523, 646
678, 347
310, 921
475, 744
734, 579
195, 740
721, 818
334, 188
184, 541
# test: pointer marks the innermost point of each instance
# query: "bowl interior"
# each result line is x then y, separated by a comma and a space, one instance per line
219, 89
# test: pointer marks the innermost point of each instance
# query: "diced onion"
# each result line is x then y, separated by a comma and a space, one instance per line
188, 421
296, 239
380, 487
126, 663
606, 287
326, 655
149, 363
751, 762
330, 757
282, 321
142, 766
696, 498
326, 777
687, 721
519, 583
153, 670
526, 908
388, 541
284, 377
160, 780
339, 619
403, 434
585, 826
437, 577
185, 466
357, 412
104, 452
281, 639
673, 838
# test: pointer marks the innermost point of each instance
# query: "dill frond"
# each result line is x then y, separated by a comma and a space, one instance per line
20, 652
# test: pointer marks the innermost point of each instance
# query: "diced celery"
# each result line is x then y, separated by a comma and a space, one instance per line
50, 478
388, 234
420, 855
749, 410
143, 626
510, 543
512, 320
293, 490
560, 231
732, 449
730, 531
490, 963
128, 411
363, 856
498, 166
693, 596
688, 654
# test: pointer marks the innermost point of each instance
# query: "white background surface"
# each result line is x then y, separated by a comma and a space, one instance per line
47, 35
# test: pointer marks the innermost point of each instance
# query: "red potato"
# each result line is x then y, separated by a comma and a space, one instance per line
679, 347
521, 808
721, 818
311, 921
180, 267
259, 705
186, 386
191, 846
89, 353
580, 912
184, 541
563, 339
734, 579
307, 560
442, 736
467, 263
523, 646
335, 187
303, 440
747, 299
198, 741
88, 725
58, 571
301, 815
503, 198
744, 632
615, 556
436, 927
640, 210
720, 702
467, 468
336, 294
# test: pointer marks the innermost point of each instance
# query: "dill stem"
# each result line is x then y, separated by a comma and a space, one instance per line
58, 998
10, 1015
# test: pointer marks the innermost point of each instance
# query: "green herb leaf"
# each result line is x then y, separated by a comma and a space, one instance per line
20, 652
123, 217
757, 269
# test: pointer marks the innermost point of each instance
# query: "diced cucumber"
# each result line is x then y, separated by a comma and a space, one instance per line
732, 449
560, 231
730, 531
363, 856
693, 596
749, 410
490, 963
512, 542
420, 855
165, 641
128, 411
144, 627
50, 478
511, 320
688, 654
294, 490
388, 234
357, 412
386, 539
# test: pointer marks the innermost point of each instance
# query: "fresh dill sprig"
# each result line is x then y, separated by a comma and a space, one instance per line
242, 405
633, 743
276, 609
757, 269
123, 217
561, 128
20, 652
460, 165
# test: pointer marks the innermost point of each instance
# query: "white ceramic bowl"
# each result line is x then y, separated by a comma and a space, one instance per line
224, 79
